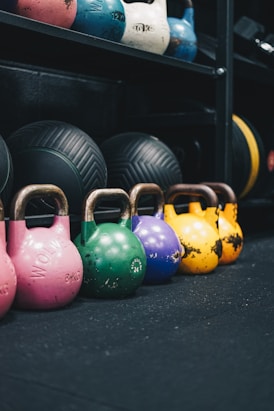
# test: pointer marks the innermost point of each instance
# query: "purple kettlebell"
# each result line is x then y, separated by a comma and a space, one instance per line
162, 246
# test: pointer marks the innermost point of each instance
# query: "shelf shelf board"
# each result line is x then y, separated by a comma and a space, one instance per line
174, 120
243, 67
253, 70
36, 42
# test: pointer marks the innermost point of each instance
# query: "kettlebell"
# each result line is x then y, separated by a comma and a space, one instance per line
56, 12
48, 266
101, 18
230, 231
183, 39
146, 25
198, 234
161, 243
8, 279
113, 257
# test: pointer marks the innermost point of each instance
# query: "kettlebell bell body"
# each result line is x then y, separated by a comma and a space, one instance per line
114, 259
48, 266
230, 231
183, 39
198, 234
56, 12
146, 26
101, 18
161, 243
8, 279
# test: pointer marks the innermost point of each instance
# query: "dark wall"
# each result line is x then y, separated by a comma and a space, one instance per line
31, 93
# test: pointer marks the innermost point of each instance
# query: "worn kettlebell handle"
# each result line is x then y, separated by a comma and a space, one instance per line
224, 189
95, 195
141, 189
25, 194
188, 4
193, 190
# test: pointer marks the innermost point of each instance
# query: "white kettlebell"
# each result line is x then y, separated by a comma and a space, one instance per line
147, 27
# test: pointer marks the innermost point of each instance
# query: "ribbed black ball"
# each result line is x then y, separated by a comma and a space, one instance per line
6, 173
56, 152
134, 157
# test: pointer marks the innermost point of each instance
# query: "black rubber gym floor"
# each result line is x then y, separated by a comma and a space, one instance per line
203, 342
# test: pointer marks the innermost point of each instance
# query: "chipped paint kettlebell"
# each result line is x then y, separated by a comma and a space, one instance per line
8, 279
48, 266
183, 39
162, 245
113, 257
230, 231
59, 13
198, 234
101, 18
146, 25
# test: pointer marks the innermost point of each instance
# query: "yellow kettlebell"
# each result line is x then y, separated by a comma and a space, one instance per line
198, 234
230, 231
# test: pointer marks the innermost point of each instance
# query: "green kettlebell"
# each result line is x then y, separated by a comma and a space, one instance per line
114, 259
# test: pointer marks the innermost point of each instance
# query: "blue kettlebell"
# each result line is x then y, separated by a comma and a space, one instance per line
100, 18
162, 246
183, 40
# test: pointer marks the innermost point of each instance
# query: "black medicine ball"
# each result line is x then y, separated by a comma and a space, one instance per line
134, 157
6, 173
56, 152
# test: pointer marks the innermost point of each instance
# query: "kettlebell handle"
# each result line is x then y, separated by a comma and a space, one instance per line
25, 194
224, 189
193, 190
188, 4
140, 189
95, 195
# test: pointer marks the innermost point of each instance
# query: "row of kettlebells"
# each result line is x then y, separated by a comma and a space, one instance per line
43, 268
142, 24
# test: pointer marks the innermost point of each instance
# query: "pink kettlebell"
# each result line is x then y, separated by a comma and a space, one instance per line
8, 279
60, 13
48, 265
